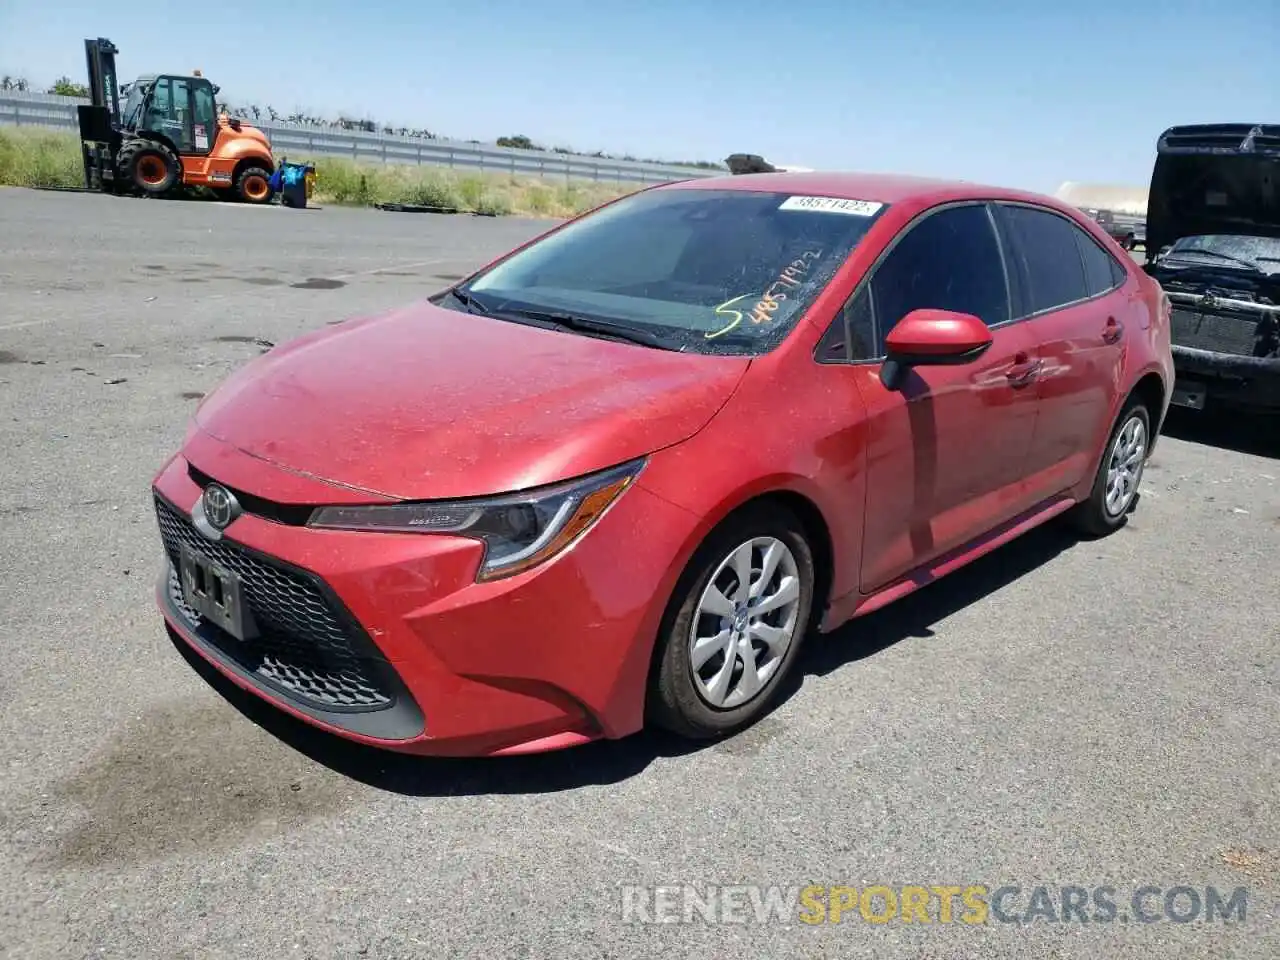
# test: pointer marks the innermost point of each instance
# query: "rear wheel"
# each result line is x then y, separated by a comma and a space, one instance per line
734, 627
1115, 487
253, 185
149, 166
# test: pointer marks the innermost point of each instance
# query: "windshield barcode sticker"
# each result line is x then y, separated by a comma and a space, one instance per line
857, 208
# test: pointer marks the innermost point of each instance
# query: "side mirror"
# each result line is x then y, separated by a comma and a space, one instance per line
932, 338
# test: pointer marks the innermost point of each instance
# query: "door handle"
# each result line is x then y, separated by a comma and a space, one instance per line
1023, 371
1112, 332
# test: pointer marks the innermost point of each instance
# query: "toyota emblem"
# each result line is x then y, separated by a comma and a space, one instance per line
215, 510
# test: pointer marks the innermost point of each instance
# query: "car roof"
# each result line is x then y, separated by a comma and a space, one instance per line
885, 188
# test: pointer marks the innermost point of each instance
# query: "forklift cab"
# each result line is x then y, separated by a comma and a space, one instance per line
180, 108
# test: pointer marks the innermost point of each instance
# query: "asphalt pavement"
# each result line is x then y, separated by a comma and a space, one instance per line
1061, 714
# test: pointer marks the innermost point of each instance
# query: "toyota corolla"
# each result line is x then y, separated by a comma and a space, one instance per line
617, 476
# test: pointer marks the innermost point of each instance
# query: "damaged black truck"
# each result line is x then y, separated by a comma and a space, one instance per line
1213, 244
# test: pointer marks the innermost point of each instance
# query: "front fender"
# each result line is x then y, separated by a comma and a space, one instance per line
234, 147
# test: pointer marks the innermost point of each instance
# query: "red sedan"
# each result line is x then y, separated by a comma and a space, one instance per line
618, 475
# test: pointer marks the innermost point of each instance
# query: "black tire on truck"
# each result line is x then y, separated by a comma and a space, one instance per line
149, 166
253, 185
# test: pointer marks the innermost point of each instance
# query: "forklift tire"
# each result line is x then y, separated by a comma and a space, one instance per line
150, 167
254, 185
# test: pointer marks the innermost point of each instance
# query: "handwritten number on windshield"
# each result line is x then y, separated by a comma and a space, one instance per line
792, 275
724, 311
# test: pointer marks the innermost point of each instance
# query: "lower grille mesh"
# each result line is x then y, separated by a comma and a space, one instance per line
306, 647
1222, 333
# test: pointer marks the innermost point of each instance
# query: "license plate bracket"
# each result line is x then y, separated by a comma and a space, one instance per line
215, 593
1190, 395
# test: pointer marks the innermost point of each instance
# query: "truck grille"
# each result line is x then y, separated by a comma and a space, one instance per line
1219, 332
309, 647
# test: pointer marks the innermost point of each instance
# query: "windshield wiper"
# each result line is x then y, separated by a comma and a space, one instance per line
469, 301
1214, 253
572, 321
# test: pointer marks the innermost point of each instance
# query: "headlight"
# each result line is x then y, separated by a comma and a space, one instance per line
518, 530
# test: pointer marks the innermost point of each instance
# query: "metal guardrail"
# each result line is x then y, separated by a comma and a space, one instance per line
21, 109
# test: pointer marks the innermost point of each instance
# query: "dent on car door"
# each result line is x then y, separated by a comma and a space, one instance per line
946, 445
1072, 305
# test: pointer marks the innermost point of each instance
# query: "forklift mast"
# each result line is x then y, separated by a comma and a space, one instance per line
100, 118
104, 86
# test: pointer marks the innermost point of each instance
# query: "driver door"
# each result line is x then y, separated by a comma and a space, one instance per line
946, 447
169, 112
204, 117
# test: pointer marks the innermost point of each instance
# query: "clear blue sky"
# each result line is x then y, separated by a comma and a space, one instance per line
1026, 95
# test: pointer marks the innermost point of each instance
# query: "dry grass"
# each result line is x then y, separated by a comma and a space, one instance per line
30, 158
341, 181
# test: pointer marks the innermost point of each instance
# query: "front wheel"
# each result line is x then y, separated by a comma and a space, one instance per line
1115, 487
253, 185
734, 627
149, 167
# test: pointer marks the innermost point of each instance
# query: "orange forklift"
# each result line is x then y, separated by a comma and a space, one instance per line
168, 134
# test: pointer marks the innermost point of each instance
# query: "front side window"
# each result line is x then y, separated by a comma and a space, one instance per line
852, 335
160, 103
948, 261
180, 122
205, 119
703, 270
129, 112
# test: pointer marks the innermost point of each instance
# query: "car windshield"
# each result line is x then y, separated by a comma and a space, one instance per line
703, 270
1261, 253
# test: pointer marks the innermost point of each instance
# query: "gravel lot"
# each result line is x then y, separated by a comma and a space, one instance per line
1061, 713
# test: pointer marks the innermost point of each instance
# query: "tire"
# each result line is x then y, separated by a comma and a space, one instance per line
149, 167
1096, 516
681, 698
253, 185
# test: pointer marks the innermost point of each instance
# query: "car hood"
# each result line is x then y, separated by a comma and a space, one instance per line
427, 403
1219, 178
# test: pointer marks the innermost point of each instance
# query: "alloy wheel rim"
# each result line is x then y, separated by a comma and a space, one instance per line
1124, 470
745, 622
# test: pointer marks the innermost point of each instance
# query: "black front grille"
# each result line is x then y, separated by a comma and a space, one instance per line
309, 646
1222, 333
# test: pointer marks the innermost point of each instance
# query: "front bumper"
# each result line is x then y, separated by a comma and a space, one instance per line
1225, 377
386, 639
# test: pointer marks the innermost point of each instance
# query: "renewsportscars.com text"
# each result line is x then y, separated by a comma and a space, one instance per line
971, 904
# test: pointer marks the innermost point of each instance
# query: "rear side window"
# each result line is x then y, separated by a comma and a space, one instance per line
1101, 272
1044, 247
1118, 273
948, 261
